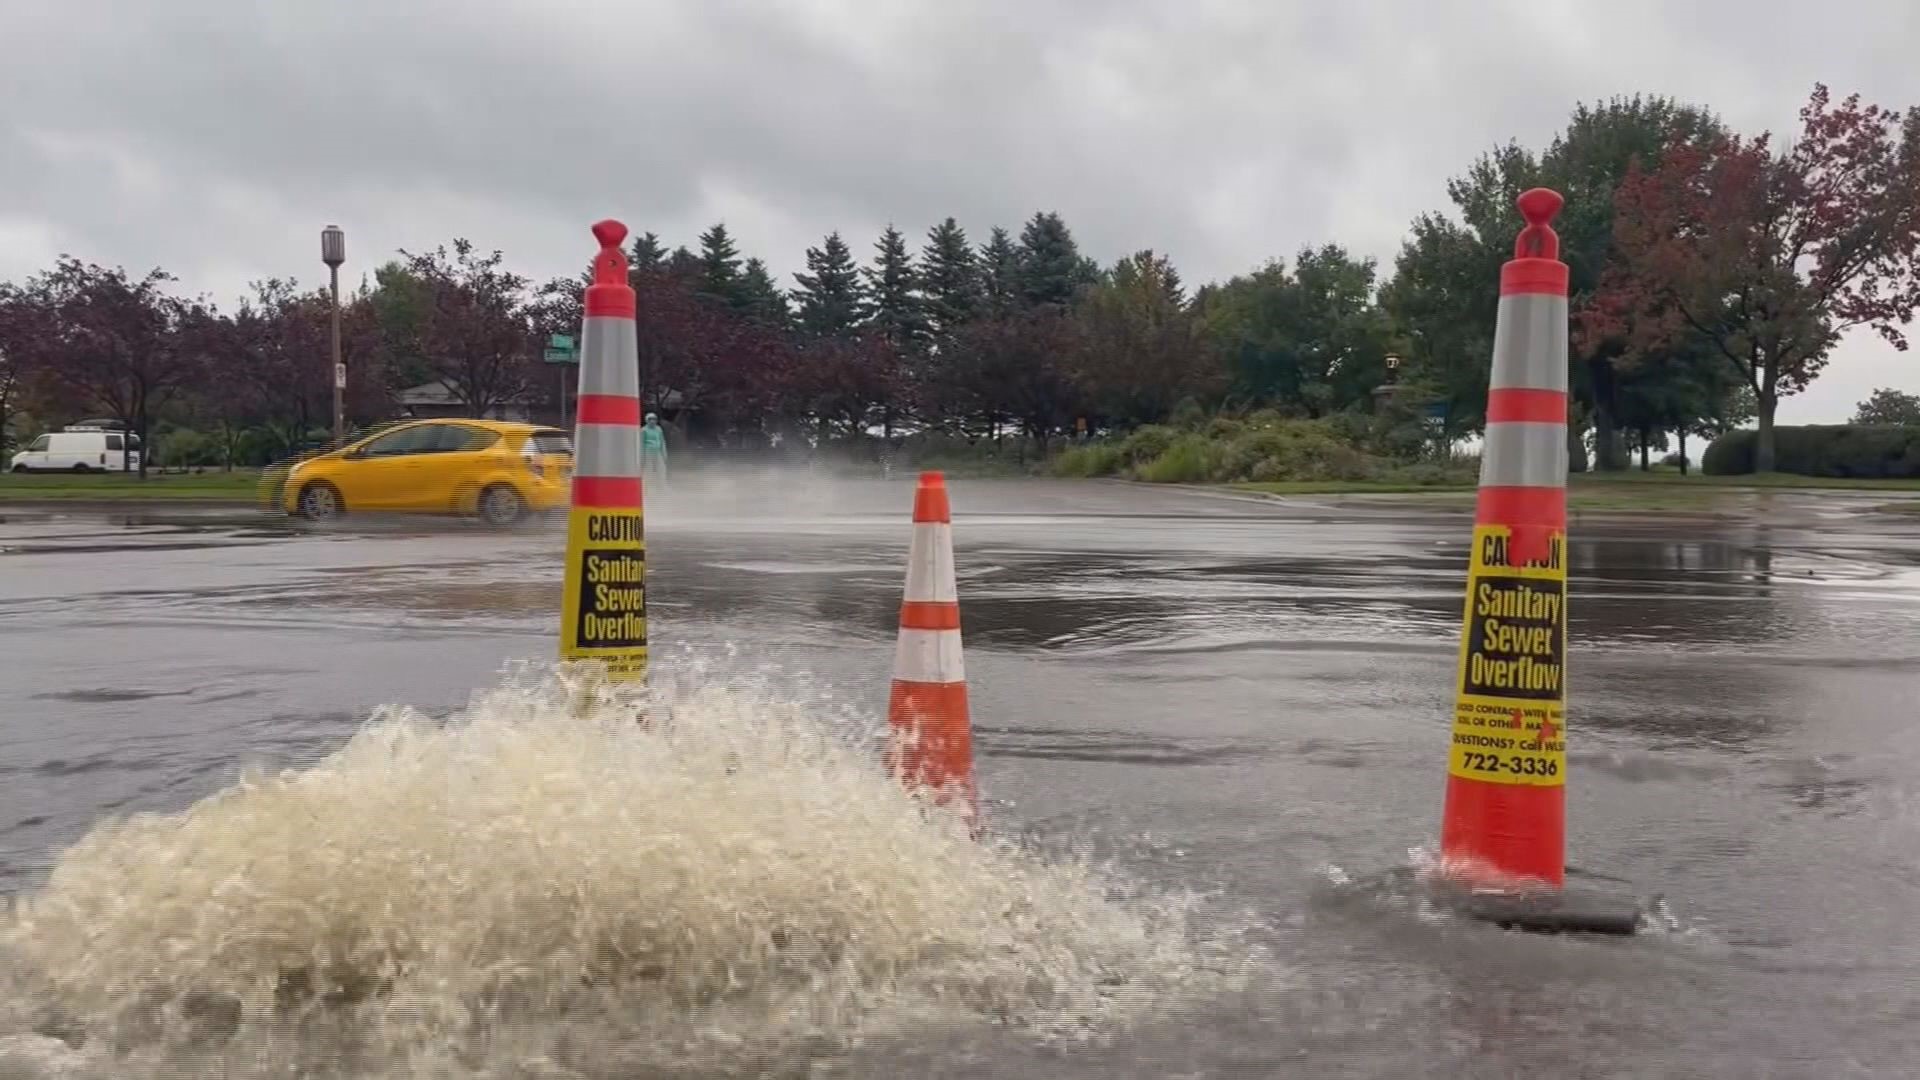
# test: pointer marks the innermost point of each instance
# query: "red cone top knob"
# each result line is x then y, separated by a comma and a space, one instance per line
1538, 240
610, 265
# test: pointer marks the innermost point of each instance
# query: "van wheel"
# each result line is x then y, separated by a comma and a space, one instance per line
21, 469
500, 505
320, 501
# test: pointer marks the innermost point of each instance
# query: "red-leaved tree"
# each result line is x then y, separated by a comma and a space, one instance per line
114, 343
1770, 256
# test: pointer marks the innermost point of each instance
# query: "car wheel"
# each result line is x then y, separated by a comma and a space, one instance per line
500, 505
21, 469
320, 501
80, 467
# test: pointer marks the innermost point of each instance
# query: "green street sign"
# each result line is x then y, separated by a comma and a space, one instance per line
560, 341
560, 356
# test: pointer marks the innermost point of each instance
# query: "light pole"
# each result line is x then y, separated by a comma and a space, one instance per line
333, 252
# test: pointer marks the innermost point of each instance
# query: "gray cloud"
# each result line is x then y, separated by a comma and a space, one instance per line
215, 138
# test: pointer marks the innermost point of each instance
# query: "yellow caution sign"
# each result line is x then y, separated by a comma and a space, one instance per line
1509, 719
604, 605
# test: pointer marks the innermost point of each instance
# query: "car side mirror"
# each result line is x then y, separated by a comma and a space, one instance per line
354, 454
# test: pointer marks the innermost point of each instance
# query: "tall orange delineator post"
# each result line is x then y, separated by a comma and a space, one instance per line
931, 733
1504, 822
604, 605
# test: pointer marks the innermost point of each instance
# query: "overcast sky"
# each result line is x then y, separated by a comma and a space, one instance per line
216, 138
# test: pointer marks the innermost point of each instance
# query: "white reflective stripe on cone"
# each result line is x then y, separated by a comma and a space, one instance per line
929, 656
1530, 343
1518, 454
609, 348
930, 573
606, 450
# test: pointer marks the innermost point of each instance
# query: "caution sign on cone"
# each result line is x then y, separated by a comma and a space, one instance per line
604, 607
932, 738
1504, 820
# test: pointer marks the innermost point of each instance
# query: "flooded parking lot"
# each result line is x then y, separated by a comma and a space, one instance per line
1244, 698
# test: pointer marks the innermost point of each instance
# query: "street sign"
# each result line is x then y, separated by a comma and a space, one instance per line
560, 350
339, 376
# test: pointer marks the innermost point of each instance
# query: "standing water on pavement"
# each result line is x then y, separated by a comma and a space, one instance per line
545, 881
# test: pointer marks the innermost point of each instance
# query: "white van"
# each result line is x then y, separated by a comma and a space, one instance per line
80, 449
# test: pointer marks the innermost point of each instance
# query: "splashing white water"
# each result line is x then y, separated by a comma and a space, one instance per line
546, 877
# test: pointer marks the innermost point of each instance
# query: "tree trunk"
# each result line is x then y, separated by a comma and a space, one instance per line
1763, 439
1646, 437
1683, 452
1608, 455
140, 427
1576, 448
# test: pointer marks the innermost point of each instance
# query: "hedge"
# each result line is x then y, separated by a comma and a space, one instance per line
1867, 451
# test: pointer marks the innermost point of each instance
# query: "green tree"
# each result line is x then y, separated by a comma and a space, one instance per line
1139, 348
999, 272
831, 298
1889, 406
761, 301
649, 254
895, 311
1051, 268
1445, 292
1440, 278
1313, 340
1586, 163
719, 267
949, 278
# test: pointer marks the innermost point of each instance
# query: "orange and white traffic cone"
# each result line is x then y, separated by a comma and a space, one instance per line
603, 605
932, 739
1504, 821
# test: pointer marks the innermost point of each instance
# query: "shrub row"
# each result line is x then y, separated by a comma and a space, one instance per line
1261, 447
1869, 451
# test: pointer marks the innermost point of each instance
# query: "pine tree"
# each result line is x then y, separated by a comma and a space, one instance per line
1000, 272
1052, 270
949, 278
648, 253
760, 299
893, 283
831, 297
719, 267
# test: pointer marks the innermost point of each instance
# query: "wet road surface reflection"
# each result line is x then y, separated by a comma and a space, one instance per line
1246, 697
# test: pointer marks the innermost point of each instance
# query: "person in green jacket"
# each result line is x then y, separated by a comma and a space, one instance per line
653, 450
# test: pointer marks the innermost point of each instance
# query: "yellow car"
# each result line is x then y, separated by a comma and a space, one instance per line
499, 471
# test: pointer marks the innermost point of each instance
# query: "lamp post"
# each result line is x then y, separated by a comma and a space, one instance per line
333, 252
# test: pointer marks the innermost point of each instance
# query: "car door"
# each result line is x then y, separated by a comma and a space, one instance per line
385, 473
454, 464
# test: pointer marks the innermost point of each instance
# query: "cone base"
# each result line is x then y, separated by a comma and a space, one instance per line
1568, 911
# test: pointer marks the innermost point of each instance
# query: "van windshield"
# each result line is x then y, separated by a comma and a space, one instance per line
40, 444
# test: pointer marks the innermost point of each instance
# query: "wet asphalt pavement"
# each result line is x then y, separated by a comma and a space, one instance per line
1246, 696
